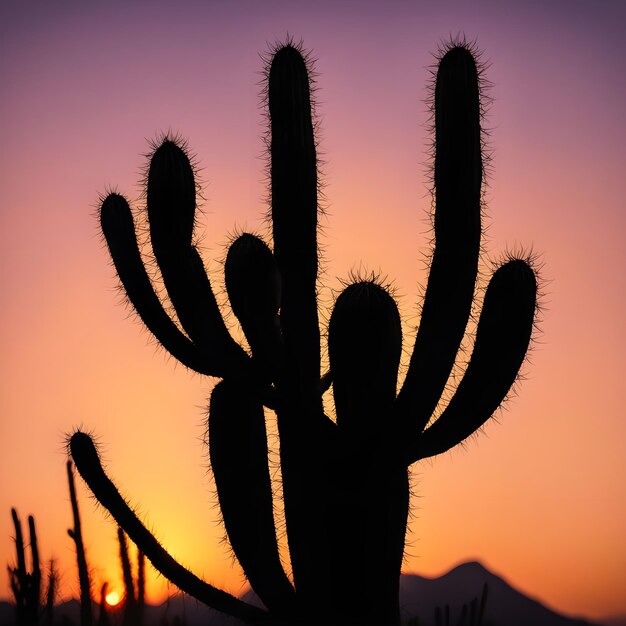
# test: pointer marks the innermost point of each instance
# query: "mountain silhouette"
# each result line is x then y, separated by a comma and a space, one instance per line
419, 597
506, 606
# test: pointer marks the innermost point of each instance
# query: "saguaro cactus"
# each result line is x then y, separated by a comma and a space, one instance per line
344, 482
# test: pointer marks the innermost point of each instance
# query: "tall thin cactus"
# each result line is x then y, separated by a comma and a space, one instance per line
103, 613
141, 586
344, 482
51, 592
86, 616
134, 592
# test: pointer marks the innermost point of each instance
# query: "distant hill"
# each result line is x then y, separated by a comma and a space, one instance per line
419, 597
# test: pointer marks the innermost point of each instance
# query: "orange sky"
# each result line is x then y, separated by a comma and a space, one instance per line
540, 497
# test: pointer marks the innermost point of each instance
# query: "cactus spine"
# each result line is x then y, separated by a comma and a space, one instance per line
345, 484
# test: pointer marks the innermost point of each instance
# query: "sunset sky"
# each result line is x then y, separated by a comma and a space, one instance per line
540, 496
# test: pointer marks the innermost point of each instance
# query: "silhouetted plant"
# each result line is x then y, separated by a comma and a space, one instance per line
134, 600
480, 614
103, 613
141, 586
51, 592
86, 617
26, 585
470, 615
344, 483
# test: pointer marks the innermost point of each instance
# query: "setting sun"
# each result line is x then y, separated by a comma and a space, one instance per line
112, 598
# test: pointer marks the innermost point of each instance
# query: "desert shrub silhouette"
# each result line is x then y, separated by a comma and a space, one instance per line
344, 483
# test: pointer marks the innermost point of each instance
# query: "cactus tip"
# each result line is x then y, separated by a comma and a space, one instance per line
81, 447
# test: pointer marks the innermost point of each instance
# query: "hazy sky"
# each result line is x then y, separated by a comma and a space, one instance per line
540, 497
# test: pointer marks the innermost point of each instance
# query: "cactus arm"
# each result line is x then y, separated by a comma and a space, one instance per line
88, 464
35, 581
81, 560
364, 346
301, 423
294, 212
239, 459
18, 576
117, 225
458, 180
19, 546
502, 340
254, 290
171, 202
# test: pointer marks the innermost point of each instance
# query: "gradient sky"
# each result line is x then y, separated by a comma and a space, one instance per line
540, 497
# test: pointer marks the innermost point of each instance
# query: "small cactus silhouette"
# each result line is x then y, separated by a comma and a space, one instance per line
76, 534
51, 593
26, 585
134, 593
468, 617
31, 607
103, 613
344, 483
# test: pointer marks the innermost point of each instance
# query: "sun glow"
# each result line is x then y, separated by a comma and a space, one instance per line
112, 598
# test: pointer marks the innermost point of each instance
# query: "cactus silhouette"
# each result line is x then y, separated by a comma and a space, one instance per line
26, 585
103, 614
468, 617
344, 482
31, 607
134, 595
76, 534
51, 592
